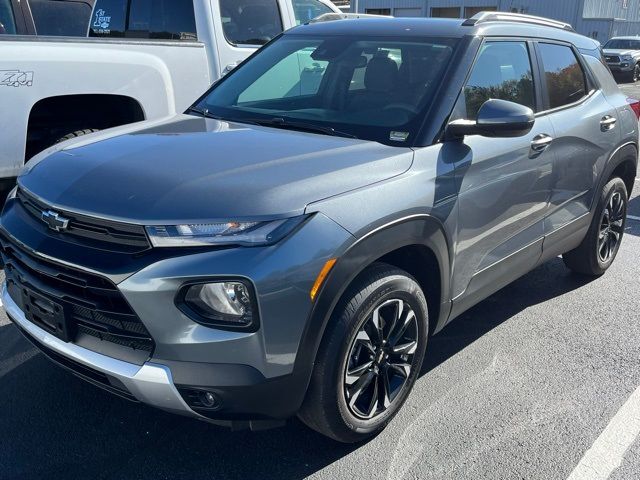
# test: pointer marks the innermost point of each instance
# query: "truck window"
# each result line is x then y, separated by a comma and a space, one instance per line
7, 21
250, 22
61, 17
162, 20
147, 19
305, 10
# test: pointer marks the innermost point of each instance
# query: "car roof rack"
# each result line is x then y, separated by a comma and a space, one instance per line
484, 17
330, 17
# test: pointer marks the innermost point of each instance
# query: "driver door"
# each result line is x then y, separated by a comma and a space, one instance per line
504, 183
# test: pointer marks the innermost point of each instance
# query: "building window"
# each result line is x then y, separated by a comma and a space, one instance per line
471, 11
378, 11
445, 12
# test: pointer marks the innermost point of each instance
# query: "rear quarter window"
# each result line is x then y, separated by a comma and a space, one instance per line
144, 19
564, 76
60, 17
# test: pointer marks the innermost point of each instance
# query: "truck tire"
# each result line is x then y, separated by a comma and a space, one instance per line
600, 246
370, 356
76, 134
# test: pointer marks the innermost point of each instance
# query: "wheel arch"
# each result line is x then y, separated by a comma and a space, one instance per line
53, 117
624, 164
398, 243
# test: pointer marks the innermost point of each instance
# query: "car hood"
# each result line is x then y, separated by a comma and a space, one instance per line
191, 169
611, 51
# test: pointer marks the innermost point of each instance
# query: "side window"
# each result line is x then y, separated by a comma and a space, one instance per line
109, 19
297, 75
61, 18
305, 10
566, 81
162, 20
502, 71
250, 22
7, 20
147, 19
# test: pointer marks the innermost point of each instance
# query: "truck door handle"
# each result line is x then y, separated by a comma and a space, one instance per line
608, 123
541, 142
229, 67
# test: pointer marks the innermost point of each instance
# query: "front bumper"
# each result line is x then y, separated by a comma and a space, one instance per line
621, 67
150, 383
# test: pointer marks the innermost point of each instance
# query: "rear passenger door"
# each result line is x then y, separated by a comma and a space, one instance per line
586, 132
504, 183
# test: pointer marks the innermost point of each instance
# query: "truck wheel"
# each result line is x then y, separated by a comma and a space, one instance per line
370, 356
76, 134
635, 75
599, 248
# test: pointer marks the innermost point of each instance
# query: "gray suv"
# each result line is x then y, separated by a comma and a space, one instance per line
288, 245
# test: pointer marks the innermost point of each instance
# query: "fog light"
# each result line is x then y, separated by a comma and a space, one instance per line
227, 303
208, 400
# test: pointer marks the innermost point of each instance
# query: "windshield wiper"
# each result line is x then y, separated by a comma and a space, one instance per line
279, 122
203, 112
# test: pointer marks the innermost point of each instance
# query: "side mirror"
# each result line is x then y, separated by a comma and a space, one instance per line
496, 118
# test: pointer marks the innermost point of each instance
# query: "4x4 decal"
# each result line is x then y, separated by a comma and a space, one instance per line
15, 78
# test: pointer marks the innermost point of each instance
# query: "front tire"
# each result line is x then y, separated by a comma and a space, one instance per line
370, 356
600, 247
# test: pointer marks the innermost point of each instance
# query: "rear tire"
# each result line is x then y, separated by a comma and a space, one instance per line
600, 246
363, 373
76, 134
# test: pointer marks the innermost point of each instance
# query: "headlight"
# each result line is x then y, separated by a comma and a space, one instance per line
226, 304
626, 58
223, 233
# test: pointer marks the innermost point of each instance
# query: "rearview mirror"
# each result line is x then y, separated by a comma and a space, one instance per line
496, 118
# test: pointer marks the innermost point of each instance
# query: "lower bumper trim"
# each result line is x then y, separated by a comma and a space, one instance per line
150, 383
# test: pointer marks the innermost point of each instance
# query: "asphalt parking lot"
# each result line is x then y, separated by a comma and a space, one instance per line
519, 387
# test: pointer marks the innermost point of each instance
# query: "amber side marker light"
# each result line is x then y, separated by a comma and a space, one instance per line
321, 277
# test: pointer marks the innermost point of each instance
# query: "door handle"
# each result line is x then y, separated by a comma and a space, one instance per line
229, 67
541, 142
608, 123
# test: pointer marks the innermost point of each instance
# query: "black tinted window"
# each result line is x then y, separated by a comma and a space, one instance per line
502, 71
305, 10
162, 19
109, 19
250, 22
564, 75
148, 19
60, 17
7, 22
623, 44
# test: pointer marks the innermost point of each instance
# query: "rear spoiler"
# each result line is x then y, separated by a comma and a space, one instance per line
331, 17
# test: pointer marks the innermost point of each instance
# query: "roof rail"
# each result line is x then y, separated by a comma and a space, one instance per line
484, 17
330, 17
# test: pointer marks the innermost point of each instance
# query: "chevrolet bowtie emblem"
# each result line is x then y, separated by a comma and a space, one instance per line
55, 221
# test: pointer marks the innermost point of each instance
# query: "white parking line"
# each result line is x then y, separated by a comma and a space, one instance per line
633, 217
608, 451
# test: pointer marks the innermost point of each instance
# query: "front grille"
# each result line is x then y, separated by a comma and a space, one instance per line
93, 305
90, 231
612, 58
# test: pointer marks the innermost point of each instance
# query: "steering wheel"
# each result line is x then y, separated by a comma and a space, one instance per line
402, 106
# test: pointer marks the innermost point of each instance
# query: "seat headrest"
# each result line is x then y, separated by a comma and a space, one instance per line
381, 74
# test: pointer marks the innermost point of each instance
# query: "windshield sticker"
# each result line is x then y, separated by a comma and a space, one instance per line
398, 136
102, 22
15, 78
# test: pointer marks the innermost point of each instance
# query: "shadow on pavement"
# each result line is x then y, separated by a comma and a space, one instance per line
56, 426
633, 226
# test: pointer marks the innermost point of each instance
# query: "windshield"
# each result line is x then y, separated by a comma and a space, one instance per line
622, 44
367, 88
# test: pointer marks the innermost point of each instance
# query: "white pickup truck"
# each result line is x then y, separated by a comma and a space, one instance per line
140, 60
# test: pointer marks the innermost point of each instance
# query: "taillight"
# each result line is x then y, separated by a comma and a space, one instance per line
634, 103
